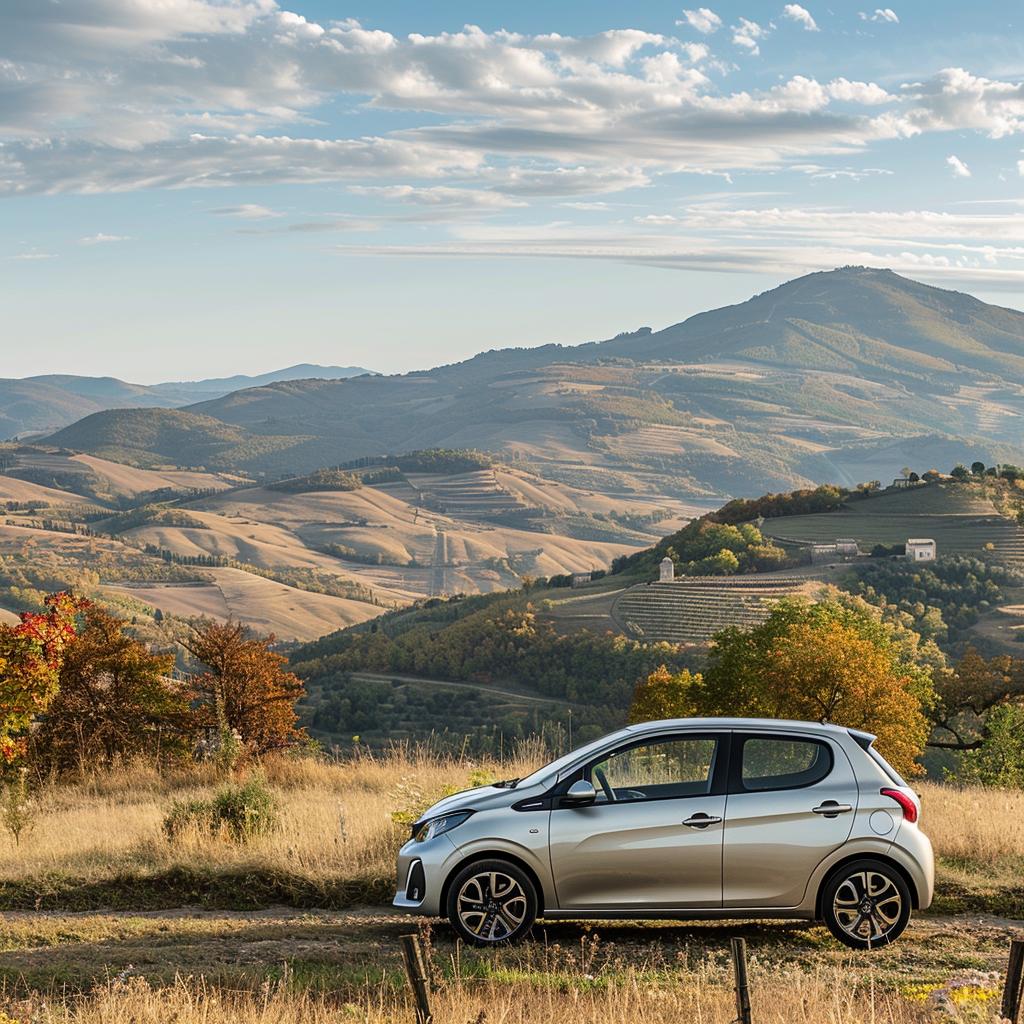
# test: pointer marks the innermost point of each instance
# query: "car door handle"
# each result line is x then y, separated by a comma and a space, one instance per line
701, 820
831, 809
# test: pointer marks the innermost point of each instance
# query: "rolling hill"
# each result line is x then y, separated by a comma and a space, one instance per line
843, 375
36, 405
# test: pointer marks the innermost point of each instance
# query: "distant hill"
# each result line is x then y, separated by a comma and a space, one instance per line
186, 392
872, 323
47, 402
839, 376
155, 437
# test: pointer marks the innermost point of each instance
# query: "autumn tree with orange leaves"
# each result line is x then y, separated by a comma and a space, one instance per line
834, 661
245, 687
116, 699
31, 654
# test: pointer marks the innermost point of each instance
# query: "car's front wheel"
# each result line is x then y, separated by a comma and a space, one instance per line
866, 904
491, 902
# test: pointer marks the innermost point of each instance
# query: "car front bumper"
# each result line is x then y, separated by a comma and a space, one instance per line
422, 870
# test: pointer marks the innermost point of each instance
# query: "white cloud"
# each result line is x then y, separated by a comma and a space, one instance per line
209, 161
246, 211
439, 196
865, 93
747, 33
881, 14
703, 19
102, 239
1020, 168
216, 90
966, 249
954, 99
33, 255
801, 15
958, 167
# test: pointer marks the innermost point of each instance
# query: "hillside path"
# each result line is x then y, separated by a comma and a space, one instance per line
378, 677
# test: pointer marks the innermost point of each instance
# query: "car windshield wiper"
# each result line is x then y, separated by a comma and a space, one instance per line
507, 784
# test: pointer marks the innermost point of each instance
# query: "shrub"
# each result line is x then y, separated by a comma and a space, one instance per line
236, 812
999, 761
17, 809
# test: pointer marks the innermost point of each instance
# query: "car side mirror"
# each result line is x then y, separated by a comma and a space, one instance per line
580, 794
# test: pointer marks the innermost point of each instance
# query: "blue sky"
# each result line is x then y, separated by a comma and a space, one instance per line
198, 188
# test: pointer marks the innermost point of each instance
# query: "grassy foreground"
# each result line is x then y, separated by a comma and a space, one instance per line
93, 930
98, 843
289, 966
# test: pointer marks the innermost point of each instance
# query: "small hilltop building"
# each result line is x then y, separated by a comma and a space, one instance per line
921, 549
666, 570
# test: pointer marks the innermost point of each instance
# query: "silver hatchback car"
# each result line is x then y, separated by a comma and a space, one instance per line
691, 818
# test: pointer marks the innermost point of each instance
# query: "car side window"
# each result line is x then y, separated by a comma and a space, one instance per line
659, 770
782, 762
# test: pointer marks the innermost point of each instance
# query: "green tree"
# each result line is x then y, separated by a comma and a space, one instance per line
999, 761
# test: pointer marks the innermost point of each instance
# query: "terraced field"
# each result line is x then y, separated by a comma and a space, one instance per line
691, 611
467, 495
959, 520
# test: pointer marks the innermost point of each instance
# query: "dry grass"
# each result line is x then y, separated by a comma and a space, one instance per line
971, 823
632, 999
295, 967
103, 834
337, 820
542, 992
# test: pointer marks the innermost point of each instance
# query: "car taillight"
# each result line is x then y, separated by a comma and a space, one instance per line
908, 805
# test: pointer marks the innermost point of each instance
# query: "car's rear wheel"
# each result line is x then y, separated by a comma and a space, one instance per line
492, 902
866, 904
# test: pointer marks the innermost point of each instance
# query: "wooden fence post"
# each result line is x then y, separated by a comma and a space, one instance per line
739, 963
417, 973
1013, 994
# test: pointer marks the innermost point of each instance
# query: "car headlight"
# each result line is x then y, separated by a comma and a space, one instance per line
438, 826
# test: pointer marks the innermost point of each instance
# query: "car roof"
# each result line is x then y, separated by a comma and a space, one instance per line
786, 725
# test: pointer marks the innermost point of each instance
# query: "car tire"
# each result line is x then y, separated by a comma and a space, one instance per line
866, 904
491, 903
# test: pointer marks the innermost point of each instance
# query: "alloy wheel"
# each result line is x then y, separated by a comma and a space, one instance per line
867, 906
491, 905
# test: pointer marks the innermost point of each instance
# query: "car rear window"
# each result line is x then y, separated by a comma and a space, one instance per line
891, 773
783, 762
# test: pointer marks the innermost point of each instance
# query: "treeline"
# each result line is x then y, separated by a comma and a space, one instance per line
941, 599
441, 460
89, 694
316, 581
497, 641
826, 498
144, 515
461, 720
708, 548
319, 480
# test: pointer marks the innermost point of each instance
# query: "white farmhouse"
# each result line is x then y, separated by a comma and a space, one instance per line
920, 549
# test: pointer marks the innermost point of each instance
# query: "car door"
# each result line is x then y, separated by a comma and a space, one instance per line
652, 840
792, 801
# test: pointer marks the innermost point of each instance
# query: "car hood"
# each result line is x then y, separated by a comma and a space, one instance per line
481, 798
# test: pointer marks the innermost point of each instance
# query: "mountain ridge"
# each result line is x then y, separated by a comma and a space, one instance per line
831, 374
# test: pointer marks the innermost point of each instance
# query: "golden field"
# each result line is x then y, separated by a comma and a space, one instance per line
103, 922
337, 827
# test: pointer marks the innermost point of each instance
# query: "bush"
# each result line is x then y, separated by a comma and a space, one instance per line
236, 813
999, 761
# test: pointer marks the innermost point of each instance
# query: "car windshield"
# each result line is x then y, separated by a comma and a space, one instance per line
556, 766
